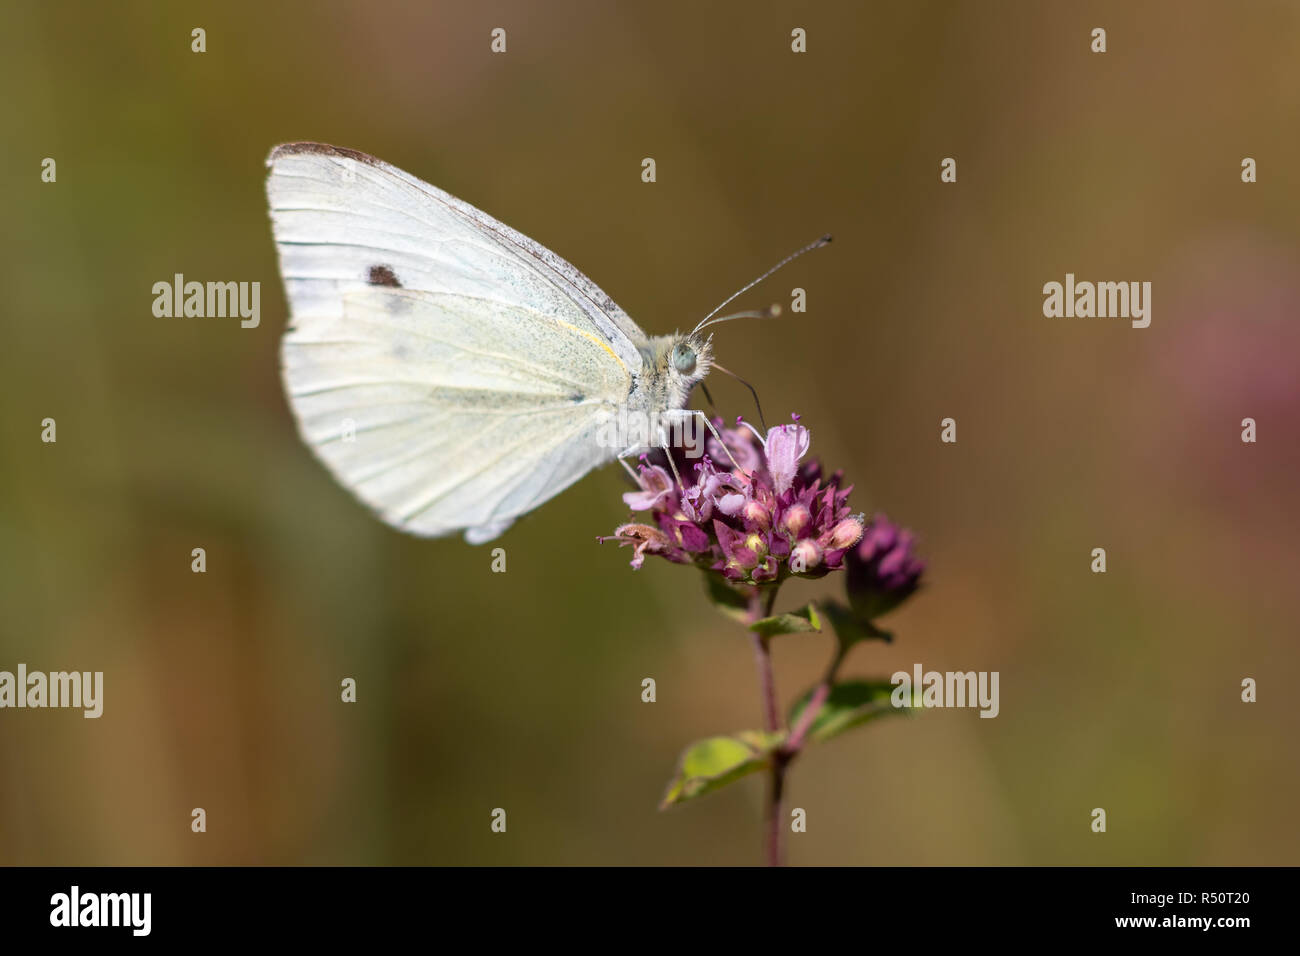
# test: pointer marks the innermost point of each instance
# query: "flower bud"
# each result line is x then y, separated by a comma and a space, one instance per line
846, 533
805, 556
882, 572
797, 520
757, 515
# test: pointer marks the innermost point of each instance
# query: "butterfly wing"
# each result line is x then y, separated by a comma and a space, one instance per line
449, 371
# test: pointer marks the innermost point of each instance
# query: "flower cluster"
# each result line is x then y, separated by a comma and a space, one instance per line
751, 509
882, 571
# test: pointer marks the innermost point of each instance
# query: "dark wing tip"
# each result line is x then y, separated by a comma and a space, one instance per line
293, 149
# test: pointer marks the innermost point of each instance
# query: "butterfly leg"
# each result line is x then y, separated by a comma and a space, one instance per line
640, 449
623, 457
668, 453
683, 414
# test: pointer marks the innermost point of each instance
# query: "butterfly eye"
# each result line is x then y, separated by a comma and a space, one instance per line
684, 359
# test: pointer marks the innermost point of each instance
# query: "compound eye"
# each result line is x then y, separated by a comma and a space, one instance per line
684, 359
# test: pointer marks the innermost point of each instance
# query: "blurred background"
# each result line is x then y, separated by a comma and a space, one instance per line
522, 690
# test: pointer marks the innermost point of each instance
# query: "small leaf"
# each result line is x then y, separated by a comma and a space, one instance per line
714, 762
731, 601
849, 705
800, 622
850, 628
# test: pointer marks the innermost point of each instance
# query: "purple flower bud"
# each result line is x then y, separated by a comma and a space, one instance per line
878, 539
733, 547
805, 556
796, 520
686, 533
756, 515
769, 570
882, 572
846, 533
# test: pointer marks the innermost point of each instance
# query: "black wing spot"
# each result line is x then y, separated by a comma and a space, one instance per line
577, 397
383, 275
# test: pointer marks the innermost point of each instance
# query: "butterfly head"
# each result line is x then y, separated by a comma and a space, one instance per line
679, 362
689, 359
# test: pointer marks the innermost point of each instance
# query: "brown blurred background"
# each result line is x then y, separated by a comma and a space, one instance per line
522, 691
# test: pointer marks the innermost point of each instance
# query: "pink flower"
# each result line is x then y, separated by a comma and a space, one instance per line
656, 484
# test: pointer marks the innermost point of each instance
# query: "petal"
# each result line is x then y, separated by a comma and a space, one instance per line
730, 505
693, 538
786, 444
655, 486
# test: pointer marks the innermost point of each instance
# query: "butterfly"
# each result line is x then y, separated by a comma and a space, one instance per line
452, 373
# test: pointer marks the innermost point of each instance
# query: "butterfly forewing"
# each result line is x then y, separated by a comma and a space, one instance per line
450, 372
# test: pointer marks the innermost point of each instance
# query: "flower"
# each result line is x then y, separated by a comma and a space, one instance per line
751, 509
785, 445
655, 485
882, 572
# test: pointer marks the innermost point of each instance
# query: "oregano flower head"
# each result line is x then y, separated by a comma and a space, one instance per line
753, 508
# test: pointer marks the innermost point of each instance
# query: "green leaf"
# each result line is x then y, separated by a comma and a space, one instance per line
731, 601
714, 762
850, 628
849, 704
800, 622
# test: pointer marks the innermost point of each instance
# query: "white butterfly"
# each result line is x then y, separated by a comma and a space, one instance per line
449, 371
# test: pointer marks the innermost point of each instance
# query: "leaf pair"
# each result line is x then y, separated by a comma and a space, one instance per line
850, 628
710, 764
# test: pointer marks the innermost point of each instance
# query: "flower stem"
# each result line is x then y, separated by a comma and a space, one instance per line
760, 606
785, 754
766, 683
775, 819
823, 690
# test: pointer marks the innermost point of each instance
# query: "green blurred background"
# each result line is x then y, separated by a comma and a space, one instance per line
522, 691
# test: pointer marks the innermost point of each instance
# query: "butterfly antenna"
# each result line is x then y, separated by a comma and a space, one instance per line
752, 391
817, 244
771, 312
